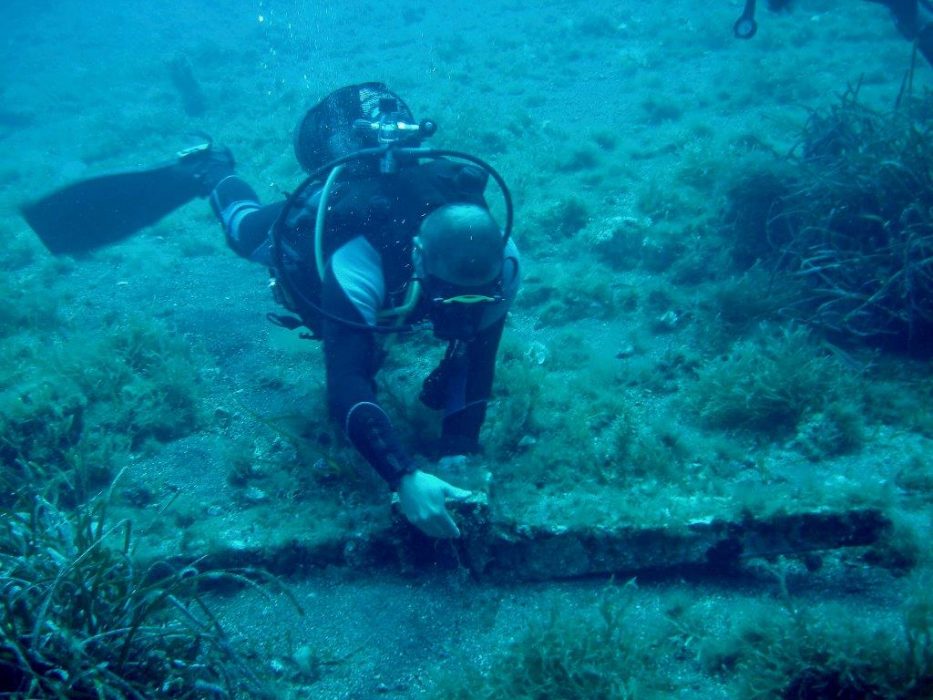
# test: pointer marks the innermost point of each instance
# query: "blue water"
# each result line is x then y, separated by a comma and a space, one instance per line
604, 117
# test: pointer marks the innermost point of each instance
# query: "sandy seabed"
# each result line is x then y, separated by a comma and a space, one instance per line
602, 117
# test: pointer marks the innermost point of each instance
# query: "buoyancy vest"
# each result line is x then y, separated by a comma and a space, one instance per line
385, 208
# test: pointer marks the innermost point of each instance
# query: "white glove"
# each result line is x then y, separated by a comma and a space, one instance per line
422, 498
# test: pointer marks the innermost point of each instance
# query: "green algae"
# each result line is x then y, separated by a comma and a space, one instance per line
71, 408
824, 651
81, 619
595, 652
769, 383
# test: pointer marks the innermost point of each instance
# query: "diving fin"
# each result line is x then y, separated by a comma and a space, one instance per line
102, 210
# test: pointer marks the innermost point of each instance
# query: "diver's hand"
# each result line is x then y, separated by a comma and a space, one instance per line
422, 498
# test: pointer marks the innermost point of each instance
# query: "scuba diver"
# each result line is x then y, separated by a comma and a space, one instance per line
383, 240
913, 18
383, 236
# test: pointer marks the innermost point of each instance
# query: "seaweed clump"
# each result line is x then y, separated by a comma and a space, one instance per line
581, 654
81, 621
68, 413
825, 653
853, 219
771, 383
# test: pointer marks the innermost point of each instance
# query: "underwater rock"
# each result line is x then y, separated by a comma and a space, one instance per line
526, 442
667, 322
618, 241
501, 550
308, 663
626, 350
537, 353
253, 495
714, 546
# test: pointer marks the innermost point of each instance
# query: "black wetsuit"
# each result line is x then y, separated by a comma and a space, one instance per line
914, 20
371, 221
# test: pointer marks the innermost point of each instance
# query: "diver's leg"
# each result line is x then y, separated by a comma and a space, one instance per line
245, 221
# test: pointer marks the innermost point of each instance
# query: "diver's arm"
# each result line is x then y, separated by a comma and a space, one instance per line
349, 357
352, 291
469, 386
245, 221
469, 389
